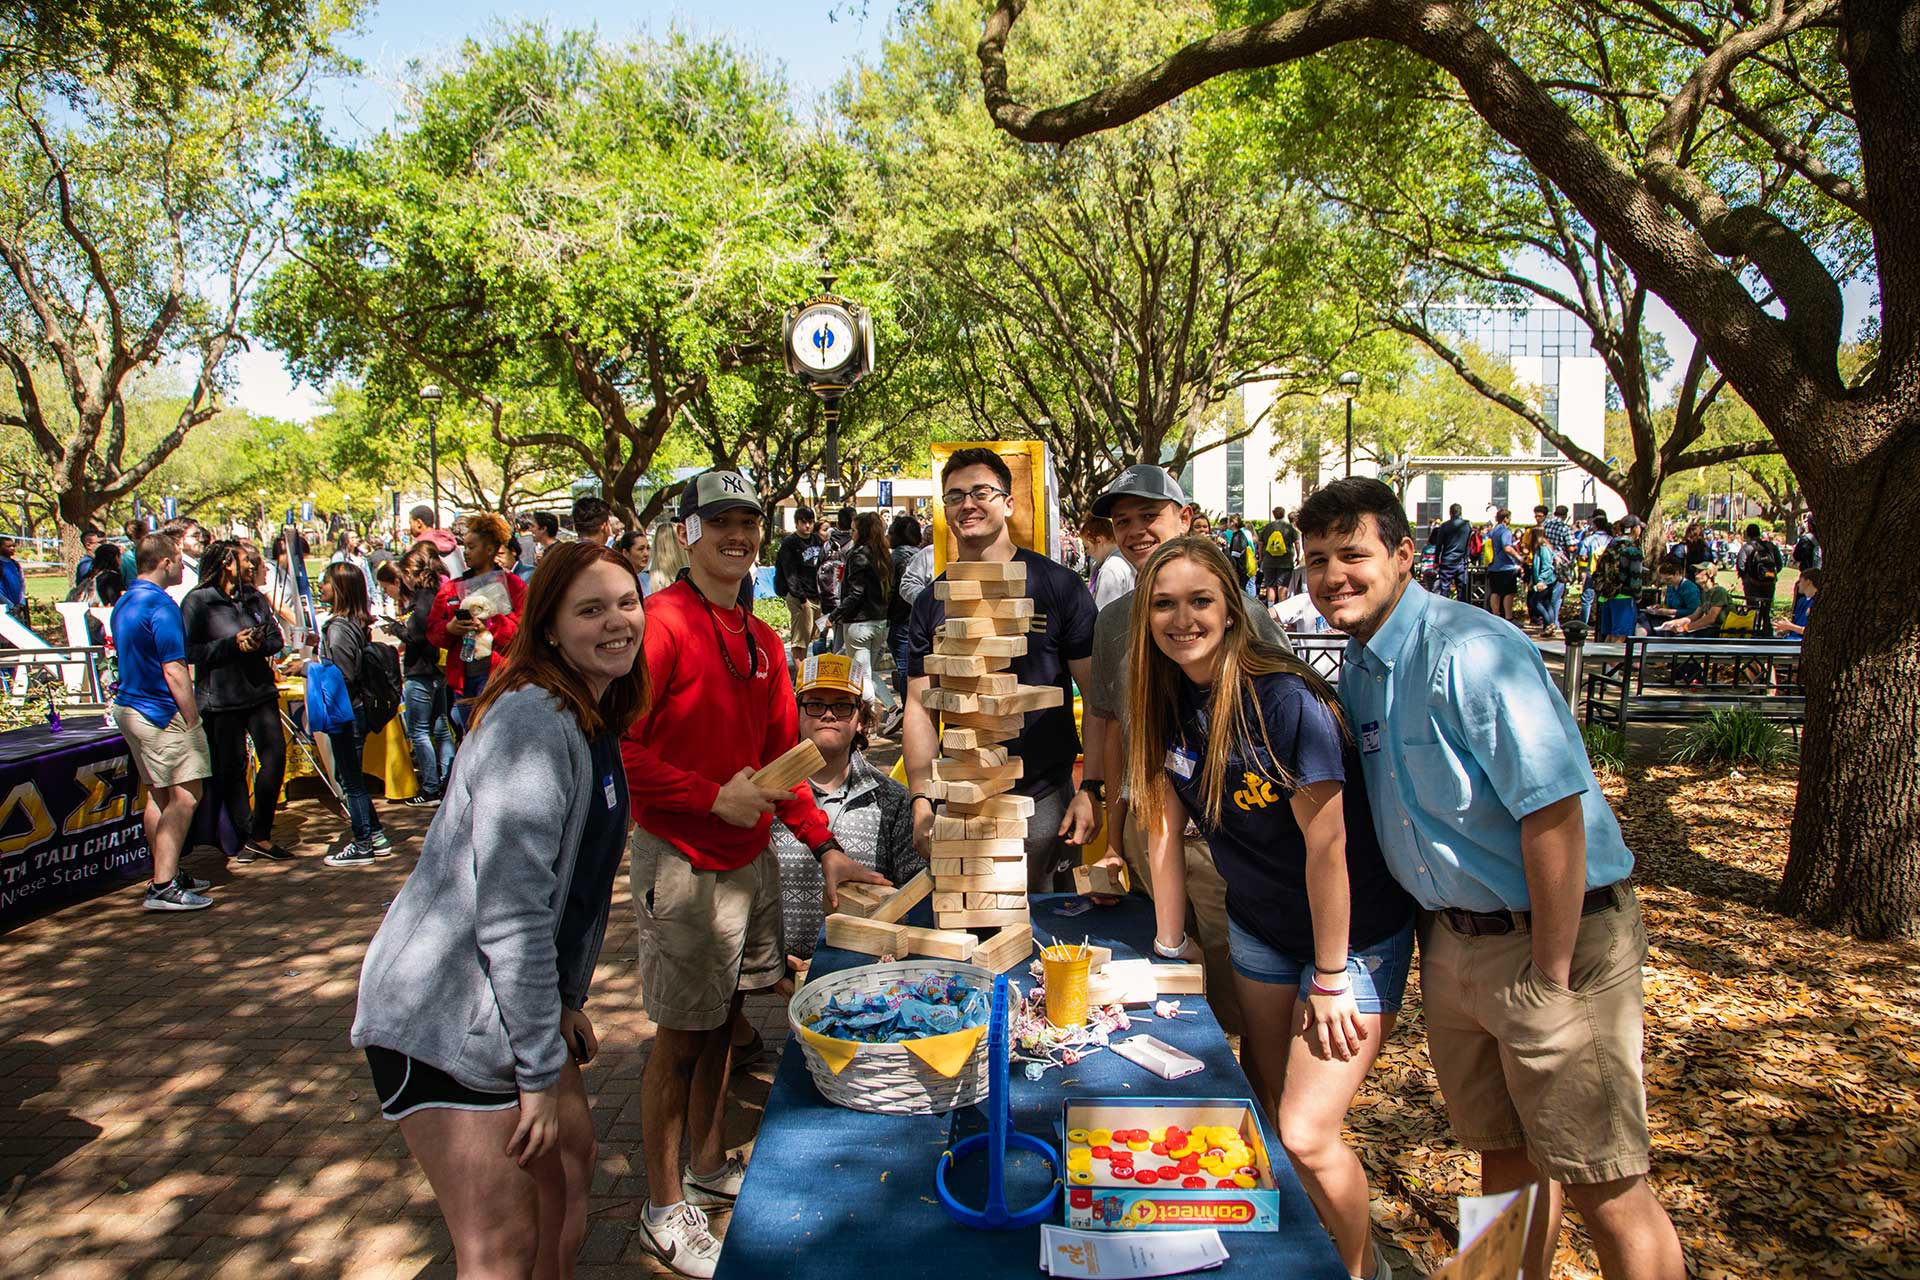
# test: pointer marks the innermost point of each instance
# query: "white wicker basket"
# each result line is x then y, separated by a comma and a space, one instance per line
890, 1077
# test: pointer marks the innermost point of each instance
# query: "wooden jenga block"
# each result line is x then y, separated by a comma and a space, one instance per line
996, 725
978, 919
977, 736
1142, 982
941, 944
992, 807
1021, 608
861, 899
962, 629
994, 901
1103, 880
982, 646
999, 683
975, 664
946, 869
1028, 698
939, 699
796, 763
1006, 950
949, 902
901, 900
952, 826
995, 849
1000, 877
973, 791
868, 937
983, 756
978, 589
988, 570
947, 769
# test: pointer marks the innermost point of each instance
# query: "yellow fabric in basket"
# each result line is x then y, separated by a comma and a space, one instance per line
946, 1054
838, 1053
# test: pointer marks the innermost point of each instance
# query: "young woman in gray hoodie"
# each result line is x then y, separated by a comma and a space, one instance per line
472, 996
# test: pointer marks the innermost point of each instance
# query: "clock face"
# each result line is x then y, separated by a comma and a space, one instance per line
823, 338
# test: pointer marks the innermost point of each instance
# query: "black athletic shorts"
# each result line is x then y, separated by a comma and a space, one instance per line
405, 1085
1503, 582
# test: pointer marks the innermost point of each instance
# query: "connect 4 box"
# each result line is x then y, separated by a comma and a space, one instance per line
1166, 1164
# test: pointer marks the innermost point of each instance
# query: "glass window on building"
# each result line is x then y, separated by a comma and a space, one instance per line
1549, 489
1236, 476
1500, 489
1433, 506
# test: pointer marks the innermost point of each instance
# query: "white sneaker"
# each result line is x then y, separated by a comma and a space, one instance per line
683, 1241
721, 1187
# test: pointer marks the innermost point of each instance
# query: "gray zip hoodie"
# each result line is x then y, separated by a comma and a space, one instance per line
466, 972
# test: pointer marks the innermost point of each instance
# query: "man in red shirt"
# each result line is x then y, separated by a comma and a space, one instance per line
705, 886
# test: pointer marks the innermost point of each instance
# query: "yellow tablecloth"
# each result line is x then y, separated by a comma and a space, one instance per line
386, 756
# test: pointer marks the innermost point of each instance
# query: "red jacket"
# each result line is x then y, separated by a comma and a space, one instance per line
505, 626
705, 725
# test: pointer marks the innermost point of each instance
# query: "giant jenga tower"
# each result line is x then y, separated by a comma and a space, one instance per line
979, 831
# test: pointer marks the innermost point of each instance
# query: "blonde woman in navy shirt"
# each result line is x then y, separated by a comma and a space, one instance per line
1239, 734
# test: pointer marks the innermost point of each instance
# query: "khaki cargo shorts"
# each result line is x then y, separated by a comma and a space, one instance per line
169, 755
703, 934
1525, 1063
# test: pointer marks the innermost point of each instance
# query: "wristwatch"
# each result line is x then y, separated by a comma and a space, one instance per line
1095, 787
819, 851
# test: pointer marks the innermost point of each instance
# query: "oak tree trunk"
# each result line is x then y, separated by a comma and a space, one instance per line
1855, 860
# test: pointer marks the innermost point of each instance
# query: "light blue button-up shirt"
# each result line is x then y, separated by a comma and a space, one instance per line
1462, 733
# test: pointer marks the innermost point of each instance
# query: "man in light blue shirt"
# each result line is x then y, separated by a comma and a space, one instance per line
1531, 940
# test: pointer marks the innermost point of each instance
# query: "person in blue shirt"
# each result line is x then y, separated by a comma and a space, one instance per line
1804, 590
1232, 729
1531, 941
1503, 575
13, 581
155, 711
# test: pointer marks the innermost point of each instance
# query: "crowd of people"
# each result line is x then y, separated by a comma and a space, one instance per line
1301, 840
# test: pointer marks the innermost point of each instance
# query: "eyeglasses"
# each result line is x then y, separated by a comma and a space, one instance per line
981, 493
829, 710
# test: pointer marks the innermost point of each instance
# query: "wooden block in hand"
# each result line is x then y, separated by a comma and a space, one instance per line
901, 900
1098, 879
868, 937
1006, 950
988, 570
795, 765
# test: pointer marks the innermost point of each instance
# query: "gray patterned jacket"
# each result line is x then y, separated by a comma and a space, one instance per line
873, 821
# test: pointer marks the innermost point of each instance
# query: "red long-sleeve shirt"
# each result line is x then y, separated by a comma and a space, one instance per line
504, 626
705, 725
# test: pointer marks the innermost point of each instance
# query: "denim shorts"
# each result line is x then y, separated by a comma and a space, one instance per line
1378, 974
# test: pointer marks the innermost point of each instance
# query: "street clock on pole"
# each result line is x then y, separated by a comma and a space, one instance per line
828, 343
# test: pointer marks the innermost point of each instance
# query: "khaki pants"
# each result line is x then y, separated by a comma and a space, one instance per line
1206, 913
803, 616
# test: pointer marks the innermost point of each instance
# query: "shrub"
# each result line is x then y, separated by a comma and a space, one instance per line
1738, 735
1606, 748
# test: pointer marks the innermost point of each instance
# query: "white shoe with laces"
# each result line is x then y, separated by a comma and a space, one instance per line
721, 1187
681, 1240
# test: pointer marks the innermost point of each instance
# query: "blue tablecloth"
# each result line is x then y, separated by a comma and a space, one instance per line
832, 1192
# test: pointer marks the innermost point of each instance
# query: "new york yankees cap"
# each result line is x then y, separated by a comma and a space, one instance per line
711, 492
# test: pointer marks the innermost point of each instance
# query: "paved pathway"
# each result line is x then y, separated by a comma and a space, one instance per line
178, 1097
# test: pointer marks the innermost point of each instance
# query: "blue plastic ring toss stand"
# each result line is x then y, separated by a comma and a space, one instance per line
995, 1216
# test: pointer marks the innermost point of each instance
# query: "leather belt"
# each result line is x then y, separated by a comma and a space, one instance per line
1483, 924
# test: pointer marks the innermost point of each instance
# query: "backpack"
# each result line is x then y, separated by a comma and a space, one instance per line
1476, 543
1630, 566
381, 684
1276, 543
831, 576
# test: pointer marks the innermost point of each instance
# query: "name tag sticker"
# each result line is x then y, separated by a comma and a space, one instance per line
606, 785
1370, 737
1181, 761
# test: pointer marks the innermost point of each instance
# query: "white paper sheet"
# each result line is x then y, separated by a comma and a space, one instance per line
1118, 1255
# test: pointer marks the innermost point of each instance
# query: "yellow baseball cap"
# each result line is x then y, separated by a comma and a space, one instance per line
834, 672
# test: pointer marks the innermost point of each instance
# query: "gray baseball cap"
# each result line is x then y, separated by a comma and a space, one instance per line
711, 492
1142, 481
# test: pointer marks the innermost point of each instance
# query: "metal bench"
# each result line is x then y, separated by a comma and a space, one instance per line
1671, 678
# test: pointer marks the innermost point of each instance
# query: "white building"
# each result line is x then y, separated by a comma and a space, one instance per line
1549, 350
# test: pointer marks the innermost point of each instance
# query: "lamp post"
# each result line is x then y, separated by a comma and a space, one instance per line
1351, 382
432, 395
828, 341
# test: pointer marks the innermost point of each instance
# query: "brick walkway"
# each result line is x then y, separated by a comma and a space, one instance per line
178, 1097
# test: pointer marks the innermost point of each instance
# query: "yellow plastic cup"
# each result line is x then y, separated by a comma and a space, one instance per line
1066, 978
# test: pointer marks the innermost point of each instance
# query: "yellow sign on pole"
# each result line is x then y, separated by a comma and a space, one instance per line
1035, 523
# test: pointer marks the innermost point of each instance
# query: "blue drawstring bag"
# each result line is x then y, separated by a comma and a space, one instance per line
329, 705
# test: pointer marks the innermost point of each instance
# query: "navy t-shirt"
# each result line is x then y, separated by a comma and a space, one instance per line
602, 841
1258, 846
1063, 616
